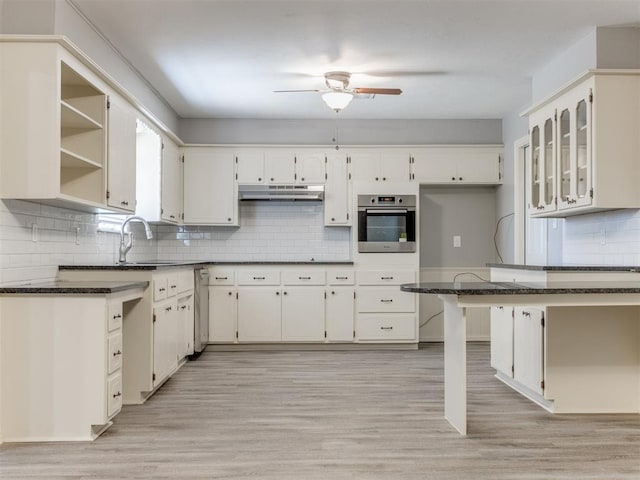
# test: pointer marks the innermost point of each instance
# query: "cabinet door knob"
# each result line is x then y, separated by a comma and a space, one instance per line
453, 178
228, 219
230, 293
284, 293
333, 219
377, 179
272, 179
384, 179
277, 293
302, 178
259, 179
459, 178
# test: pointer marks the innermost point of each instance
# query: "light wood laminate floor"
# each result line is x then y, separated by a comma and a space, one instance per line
337, 415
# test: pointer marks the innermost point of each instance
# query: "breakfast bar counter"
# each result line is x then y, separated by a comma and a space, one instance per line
592, 348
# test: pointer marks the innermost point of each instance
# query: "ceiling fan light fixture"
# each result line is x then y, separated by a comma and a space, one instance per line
337, 100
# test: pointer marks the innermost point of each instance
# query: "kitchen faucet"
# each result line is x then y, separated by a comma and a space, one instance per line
124, 248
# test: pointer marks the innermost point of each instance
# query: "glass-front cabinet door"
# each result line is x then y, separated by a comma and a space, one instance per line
574, 132
543, 163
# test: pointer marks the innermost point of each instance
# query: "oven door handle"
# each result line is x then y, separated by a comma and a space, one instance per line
386, 211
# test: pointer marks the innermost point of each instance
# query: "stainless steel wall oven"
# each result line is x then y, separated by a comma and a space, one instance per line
386, 223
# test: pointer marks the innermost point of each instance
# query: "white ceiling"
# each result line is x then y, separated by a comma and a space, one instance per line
451, 58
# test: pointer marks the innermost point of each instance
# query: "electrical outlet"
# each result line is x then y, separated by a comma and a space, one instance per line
34, 232
77, 235
603, 236
457, 241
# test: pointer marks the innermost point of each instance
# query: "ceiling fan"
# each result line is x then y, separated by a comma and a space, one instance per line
337, 95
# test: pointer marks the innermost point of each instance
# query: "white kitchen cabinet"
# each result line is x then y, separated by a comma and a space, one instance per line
383, 312
582, 138
469, 164
542, 175
280, 166
502, 339
53, 127
337, 198
185, 325
67, 385
250, 166
152, 347
210, 192
171, 194
259, 312
159, 185
121, 178
528, 348
223, 314
165, 344
392, 165
339, 314
310, 167
303, 314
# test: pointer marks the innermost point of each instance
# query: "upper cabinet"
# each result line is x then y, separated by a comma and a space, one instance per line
337, 198
584, 146
380, 165
280, 166
121, 178
159, 182
210, 193
457, 165
53, 127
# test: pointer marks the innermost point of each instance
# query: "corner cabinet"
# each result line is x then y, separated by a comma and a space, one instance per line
584, 146
210, 190
54, 137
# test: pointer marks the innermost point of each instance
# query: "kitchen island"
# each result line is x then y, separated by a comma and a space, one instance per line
592, 355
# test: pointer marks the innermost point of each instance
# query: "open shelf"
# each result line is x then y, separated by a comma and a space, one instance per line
71, 117
69, 159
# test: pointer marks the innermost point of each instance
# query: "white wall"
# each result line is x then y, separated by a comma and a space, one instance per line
353, 132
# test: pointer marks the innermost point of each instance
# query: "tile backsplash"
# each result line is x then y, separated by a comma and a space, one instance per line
607, 238
286, 231
269, 231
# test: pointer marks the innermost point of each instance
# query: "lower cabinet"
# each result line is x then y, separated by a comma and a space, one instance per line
259, 311
339, 314
303, 314
223, 314
314, 305
165, 345
517, 345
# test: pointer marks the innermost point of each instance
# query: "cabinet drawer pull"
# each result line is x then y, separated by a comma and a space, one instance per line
115, 354
119, 315
162, 289
386, 301
304, 278
222, 278
342, 278
168, 309
386, 328
259, 278
172, 216
183, 307
526, 314
386, 278
173, 286
124, 202
116, 395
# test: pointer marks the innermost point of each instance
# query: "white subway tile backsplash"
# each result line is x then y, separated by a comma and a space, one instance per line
276, 231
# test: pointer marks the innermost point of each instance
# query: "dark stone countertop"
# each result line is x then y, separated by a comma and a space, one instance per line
567, 268
162, 264
72, 288
507, 288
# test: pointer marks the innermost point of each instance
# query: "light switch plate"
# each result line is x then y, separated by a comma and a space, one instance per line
457, 241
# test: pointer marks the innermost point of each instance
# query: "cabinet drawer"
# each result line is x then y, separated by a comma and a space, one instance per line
114, 316
221, 276
114, 347
159, 288
342, 277
185, 281
303, 277
374, 300
172, 284
258, 277
386, 277
385, 328
114, 394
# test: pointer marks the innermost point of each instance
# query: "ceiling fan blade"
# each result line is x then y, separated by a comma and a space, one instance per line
295, 91
378, 91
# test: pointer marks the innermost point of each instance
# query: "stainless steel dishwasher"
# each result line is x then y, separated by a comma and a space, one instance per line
201, 310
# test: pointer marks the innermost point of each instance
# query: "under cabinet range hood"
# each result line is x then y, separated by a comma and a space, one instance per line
281, 192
